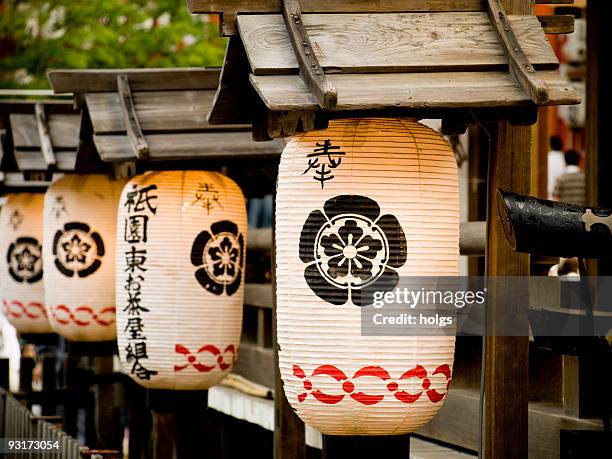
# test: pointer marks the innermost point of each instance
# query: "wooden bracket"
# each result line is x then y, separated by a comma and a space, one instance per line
520, 67
132, 125
46, 146
310, 69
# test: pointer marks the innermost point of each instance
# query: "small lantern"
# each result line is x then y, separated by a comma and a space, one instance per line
80, 224
180, 278
359, 205
21, 263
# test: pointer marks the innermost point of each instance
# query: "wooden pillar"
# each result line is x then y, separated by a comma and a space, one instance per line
598, 139
289, 430
507, 358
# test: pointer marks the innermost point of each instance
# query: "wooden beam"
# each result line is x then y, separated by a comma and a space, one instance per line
557, 23
411, 90
130, 118
310, 69
105, 80
520, 67
46, 145
177, 146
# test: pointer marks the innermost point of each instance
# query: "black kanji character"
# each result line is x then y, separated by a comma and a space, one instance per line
135, 229
135, 259
137, 199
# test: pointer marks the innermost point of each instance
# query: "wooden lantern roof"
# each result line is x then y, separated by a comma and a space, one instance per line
40, 138
421, 57
156, 114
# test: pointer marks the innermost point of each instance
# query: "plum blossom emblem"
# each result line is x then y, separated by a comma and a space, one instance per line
24, 259
350, 250
77, 250
219, 256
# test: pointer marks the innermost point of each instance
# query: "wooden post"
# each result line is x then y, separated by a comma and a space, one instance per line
366, 447
507, 358
289, 431
178, 423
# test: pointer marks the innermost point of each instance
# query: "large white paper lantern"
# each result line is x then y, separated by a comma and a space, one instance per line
21, 264
79, 256
360, 204
180, 278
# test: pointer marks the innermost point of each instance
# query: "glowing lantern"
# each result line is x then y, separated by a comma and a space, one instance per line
360, 204
79, 253
180, 278
21, 265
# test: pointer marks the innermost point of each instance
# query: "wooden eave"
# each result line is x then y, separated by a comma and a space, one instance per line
429, 58
41, 137
157, 114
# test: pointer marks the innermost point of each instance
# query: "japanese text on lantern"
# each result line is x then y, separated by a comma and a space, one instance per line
140, 204
325, 157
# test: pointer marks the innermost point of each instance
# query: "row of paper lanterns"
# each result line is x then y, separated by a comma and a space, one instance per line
158, 263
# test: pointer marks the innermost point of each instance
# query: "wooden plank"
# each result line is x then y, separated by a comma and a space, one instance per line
137, 139
256, 364
554, 2
520, 66
33, 160
457, 424
187, 146
105, 80
557, 23
310, 69
411, 90
335, 6
64, 130
413, 42
157, 111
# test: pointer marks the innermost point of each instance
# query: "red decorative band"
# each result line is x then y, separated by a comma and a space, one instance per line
348, 384
16, 309
83, 315
220, 357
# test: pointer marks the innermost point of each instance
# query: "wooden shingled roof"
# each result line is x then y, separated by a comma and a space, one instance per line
314, 59
40, 138
156, 114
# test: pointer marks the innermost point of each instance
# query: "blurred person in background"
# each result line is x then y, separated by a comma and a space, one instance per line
570, 187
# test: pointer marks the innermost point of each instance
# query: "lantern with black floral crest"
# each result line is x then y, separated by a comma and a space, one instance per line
80, 224
359, 205
21, 263
180, 278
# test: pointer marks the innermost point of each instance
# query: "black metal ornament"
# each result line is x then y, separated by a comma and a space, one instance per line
556, 229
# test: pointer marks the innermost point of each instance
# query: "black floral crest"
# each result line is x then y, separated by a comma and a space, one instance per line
351, 250
219, 255
24, 258
77, 250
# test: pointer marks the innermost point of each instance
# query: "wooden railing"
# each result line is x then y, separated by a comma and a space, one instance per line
17, 422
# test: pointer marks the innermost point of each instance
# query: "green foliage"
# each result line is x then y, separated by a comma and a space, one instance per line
36, 35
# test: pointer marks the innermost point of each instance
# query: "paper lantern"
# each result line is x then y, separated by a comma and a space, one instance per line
79, 254
360, 204
180, 278
21, 264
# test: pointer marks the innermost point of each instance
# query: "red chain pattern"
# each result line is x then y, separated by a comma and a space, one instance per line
83, 315
348, 384
33, 310
192, 359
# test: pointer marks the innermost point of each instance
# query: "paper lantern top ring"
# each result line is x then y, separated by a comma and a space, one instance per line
351, 249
